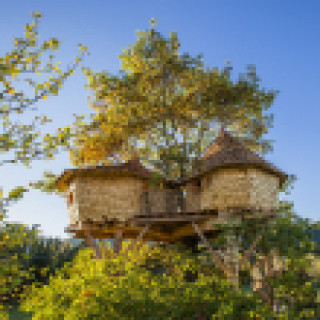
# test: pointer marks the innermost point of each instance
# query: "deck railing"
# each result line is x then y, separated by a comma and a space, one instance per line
164, 201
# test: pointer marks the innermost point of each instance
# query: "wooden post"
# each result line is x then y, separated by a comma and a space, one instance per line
117, 242
139, 238
215, 255
273, 266
233, 259
231, 248
91, 242
133, 244
257, 277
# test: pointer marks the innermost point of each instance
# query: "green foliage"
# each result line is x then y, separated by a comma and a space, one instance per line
153, 283
16, 314
46, 256
14, 239
28, 57
165, 103
17, 193
289, 236
114, 288
32, 62
25, 259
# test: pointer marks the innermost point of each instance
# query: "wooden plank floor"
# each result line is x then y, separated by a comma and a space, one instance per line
162, 227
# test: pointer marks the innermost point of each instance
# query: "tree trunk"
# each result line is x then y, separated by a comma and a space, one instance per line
231, 259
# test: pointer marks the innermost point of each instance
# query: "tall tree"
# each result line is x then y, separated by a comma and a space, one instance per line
166, 106
32, 63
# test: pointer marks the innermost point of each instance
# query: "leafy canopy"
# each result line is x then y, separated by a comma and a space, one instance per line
166, 106
33, 64
142, 288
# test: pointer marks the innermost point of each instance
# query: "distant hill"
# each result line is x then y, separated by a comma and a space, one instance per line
77, 242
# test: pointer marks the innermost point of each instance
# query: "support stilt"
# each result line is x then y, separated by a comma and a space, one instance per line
91, 242
231, 259
249, 252
117, 242
215, 256
139, 238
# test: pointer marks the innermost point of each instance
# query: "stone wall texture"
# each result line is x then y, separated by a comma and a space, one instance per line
124, 197
116, 198
193, 197
73, 208
250, 188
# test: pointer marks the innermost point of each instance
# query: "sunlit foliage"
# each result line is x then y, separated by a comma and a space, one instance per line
167, 107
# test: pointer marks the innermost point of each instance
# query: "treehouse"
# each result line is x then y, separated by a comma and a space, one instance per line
118, 192
231, 179
128, 200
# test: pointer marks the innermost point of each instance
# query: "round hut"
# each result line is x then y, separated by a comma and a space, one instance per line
232, 178
128, 200
102, 198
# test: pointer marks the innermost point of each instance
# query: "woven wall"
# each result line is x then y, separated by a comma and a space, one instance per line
264, 189
124, 197
72, 204
193, 197
119, 198
113, 197
157, 200
250, 188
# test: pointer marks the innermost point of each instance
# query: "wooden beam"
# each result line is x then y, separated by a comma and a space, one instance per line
186, 230
172, 219
133, 244
139, 238
249, 252
253, 245
215, 256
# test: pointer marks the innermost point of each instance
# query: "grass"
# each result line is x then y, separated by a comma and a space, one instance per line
16, 314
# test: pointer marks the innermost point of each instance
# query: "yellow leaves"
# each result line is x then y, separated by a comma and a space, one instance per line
36, 14
54, 43
133, 100
88, 293
16, 42
82, 47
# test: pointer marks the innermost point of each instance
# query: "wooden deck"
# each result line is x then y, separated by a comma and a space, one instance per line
161, 227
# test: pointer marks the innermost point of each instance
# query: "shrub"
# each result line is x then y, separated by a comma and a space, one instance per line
152, 285
14, 238
27, 258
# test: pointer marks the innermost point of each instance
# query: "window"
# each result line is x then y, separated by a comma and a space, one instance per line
70, 198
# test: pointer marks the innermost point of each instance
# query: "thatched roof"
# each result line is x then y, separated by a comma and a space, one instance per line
228, 151
132, 168
225, 152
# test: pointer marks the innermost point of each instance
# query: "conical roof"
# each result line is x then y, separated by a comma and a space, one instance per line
228, 151
132, 167
225, 151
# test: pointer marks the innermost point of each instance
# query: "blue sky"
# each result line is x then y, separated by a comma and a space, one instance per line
280, 37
